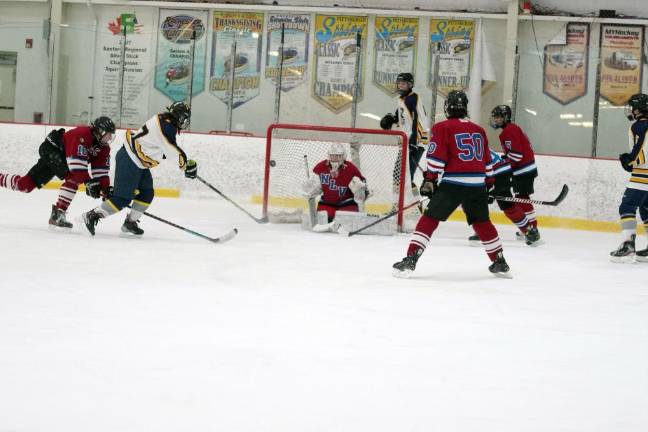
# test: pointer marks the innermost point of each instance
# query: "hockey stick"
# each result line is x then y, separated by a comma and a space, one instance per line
561, 196
387, 216
212, 187
222, 239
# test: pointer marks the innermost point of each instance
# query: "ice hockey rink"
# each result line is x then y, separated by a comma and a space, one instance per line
286, 330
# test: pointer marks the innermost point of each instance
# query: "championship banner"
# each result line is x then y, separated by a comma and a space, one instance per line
246, 28
335, 59
295, 49
394, 49
452, 41
621, 62
173, 64
566, 66
137, 66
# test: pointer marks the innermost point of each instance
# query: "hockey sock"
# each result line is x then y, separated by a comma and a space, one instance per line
528, 210
489, 238
517, 216
421, 237
628, 226
137, 210
66, 194
18, 183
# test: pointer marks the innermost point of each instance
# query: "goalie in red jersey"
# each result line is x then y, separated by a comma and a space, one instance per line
339, 184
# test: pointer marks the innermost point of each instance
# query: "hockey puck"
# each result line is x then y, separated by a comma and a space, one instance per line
272, 163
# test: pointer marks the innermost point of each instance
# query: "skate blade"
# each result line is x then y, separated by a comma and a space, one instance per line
641, 258
536, 244
501, 275
401, 274
629, 259
129, 235
56, 228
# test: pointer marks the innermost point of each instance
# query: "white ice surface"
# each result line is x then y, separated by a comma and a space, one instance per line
283, 330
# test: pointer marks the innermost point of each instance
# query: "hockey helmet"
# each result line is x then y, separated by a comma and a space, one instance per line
404, 77
103, 130
500, 112
336, 156
180, 113
456, 104
637, 102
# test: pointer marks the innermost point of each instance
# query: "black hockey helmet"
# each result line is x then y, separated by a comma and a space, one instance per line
637, 102
180, 113
103, 129
456, 104
405, 77
500, 111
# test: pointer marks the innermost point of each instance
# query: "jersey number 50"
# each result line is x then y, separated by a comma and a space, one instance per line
470, 146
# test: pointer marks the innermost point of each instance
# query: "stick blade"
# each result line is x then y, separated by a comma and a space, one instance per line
561, 196
225, 237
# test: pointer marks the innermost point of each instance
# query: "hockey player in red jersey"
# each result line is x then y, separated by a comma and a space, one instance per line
339, 182
519, 153
68, 155
459, 151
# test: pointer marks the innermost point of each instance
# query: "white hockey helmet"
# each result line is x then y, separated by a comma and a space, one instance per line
336, 156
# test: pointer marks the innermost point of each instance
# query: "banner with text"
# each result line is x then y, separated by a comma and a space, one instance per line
246, 29
452, 41
621, 62
566, 66
295, 49
173, 66
136, 32
394, 49
335, 59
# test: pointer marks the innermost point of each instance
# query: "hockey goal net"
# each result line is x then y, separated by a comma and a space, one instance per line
293, 150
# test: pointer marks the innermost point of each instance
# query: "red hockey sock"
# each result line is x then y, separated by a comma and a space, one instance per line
489, 238
421, 237
528, 210
66, 194
18, 183
517, 216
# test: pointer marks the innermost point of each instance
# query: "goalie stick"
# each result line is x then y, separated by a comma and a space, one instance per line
561, 196
312, 209
212, 187
222, 239
387, 216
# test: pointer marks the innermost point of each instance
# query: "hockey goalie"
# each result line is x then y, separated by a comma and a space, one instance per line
342, 192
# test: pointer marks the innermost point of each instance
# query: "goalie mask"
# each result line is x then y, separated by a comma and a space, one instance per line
103, 130
336, 156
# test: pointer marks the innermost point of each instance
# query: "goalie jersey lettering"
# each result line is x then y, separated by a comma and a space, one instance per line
335, 184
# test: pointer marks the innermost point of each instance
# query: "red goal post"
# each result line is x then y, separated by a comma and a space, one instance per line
292, 150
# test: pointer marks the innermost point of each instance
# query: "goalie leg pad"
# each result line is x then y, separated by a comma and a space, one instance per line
352, 221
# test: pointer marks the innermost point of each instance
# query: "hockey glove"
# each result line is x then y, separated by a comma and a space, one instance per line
92, 188
191, 171
626, 160
106, 192
428, 187
387, 121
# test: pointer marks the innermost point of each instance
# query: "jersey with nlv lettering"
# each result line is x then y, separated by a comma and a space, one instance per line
335, 184
149, 144
638, 155
517, 150
459, 150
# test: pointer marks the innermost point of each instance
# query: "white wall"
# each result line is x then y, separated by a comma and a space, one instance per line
19, 21
235, 164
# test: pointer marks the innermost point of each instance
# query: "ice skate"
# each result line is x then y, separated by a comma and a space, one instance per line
130, 227
499, 267
405, 267
89, 220
57, 220
625, 253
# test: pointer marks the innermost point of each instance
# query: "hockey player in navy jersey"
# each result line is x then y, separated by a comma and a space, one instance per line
143, 150
458, 150
635, 196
